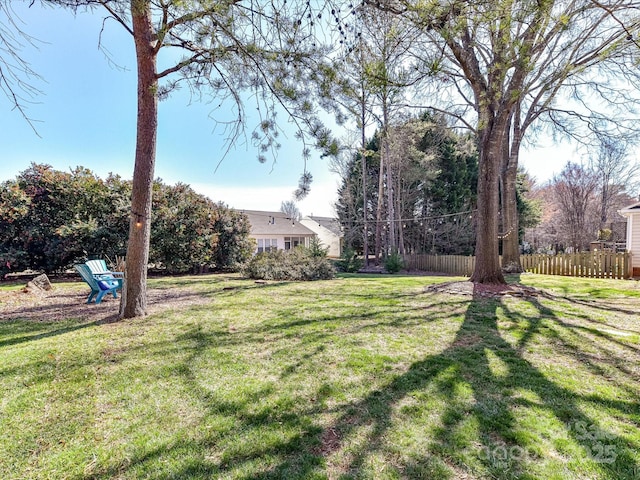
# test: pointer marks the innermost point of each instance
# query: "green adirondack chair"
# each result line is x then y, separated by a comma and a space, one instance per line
99, 287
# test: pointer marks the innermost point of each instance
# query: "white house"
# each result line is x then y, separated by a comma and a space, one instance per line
276, 231
328, 231
632, 212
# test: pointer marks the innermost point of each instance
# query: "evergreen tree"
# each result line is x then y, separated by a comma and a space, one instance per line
435, 188
350, 204
449, 199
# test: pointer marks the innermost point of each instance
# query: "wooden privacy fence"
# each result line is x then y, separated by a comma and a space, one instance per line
597, 264
453, 264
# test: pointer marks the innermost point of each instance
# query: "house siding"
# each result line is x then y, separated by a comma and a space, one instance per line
327, 237
633, 239
632, 214
275, 226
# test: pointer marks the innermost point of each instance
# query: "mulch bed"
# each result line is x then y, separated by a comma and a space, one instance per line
484, 290
70, 302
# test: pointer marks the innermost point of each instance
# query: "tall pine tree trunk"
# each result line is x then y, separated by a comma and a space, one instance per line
386, 152
379, 210
365, 203
392, 245
399, 210
134, 299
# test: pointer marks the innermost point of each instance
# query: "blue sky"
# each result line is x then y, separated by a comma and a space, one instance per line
86, 116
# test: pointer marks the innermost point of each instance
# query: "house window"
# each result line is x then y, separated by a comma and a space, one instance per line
267, 244
293, 242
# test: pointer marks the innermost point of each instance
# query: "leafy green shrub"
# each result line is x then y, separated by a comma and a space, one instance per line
189, 231
394, 263
50, 220
265, 266
349, 261
297, 264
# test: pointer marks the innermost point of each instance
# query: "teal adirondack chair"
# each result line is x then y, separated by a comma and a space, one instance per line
99, 287
99, 267
101, 272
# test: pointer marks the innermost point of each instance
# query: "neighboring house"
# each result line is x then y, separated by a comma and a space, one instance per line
329, 233
632, 212
275, 231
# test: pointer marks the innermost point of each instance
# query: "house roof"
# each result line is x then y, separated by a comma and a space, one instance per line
329, 223
275, 223
634, 208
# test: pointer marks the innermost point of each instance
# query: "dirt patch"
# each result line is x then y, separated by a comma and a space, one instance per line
330, 442
70, 302
484, 290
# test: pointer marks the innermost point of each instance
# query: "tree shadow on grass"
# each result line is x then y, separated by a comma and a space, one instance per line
50, 332
499, 415
267, 431
503, 448
598, 300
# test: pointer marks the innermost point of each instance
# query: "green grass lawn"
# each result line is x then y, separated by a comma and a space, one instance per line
359, 377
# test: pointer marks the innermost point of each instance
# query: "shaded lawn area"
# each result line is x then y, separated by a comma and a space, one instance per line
373, 377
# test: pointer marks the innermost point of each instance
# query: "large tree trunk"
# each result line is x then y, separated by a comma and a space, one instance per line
134, 299
510, 227
487, 268
510, 243
391, 246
